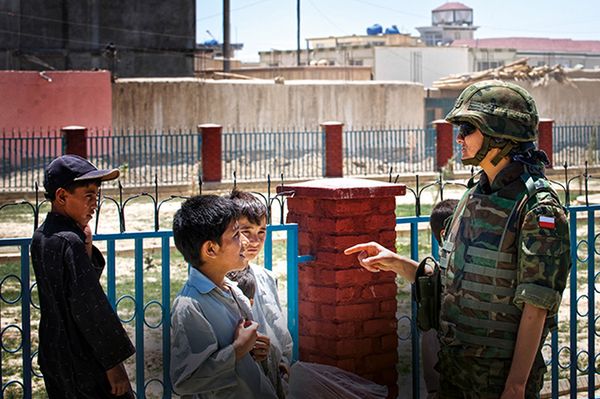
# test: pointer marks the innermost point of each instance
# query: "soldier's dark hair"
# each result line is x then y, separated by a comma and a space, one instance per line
200, 219
439, 214
246, 281
249, 206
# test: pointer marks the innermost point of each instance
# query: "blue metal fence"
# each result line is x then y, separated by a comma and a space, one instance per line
18, 289
376, 151
253, 155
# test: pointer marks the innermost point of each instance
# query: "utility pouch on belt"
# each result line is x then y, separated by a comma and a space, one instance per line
428, 295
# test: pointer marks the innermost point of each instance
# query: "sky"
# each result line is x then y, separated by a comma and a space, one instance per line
262, 25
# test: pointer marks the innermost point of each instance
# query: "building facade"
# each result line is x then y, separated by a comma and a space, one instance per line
134, 38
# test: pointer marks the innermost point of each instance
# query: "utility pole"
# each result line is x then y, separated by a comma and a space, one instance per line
226, 38
298, 33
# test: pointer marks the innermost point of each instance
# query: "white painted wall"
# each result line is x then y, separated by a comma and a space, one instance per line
419, 64
187, 102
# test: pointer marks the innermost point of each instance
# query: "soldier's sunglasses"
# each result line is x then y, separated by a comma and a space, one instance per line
465, 129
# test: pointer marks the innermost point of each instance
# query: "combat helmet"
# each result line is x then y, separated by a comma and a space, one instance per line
505, 114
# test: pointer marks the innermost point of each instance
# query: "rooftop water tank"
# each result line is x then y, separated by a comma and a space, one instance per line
393, 30
374, 30
211, 42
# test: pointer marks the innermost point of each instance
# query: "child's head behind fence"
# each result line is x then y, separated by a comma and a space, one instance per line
200, 219
439, 214
249, 206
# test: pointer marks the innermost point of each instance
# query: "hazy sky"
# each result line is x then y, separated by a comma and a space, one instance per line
271, 24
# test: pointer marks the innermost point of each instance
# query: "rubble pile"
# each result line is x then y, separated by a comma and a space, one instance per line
519, 70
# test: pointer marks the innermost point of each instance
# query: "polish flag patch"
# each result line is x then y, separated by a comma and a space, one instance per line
546, 222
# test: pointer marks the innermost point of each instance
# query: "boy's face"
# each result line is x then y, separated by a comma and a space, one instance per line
80, 204
255, 234
231, 250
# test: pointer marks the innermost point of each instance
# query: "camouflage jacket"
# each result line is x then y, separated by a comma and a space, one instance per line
503, 248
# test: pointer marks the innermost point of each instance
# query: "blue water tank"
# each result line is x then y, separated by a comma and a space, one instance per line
392, 31
211, 42
374, 30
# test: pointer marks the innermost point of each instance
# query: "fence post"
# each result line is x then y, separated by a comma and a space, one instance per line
347, 315
211, 152
445, 142
334, 157
75, 140
545, 127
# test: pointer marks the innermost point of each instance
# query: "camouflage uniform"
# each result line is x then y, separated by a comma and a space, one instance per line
507, 245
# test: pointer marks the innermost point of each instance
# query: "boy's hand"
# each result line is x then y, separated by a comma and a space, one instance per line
119, 382
284, 371
261, 348
87, 231
245, 338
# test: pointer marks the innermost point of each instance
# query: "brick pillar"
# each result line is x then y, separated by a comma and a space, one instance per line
211, 152
334, 159
545, 137
445, 142
347, 315
75, 140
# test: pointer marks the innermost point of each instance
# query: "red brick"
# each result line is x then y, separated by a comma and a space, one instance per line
380, 291
302, 205
329, 329
307, 342
363, 311
341, 242
305, 238
348, 294
383, 222
387, 205
346, 207
354, 347
318, 294
357, 276
387, 238
327, 345
347, 364
309, 310
382, 361
337, 260
389, 342
379, 327
388, 306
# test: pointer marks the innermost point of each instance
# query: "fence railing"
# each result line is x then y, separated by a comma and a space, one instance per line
176, 155
576, 144
253, 155
140, 291
376, 151
139, 154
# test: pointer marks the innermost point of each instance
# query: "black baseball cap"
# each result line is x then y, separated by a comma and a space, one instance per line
67, 169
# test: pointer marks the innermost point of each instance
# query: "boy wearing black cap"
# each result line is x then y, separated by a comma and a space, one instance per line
82, 342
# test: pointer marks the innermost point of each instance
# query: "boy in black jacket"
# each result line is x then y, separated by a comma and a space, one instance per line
82, 342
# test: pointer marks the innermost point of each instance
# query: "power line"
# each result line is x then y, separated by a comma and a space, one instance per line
119, 47
13, 14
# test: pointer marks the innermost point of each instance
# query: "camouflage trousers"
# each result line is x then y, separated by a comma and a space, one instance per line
481, 378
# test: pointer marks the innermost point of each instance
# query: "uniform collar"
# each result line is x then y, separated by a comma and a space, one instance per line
506, 176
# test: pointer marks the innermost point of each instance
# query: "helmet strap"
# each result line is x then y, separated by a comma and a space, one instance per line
503, 153
485, 147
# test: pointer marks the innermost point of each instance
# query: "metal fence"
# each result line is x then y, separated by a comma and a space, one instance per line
570, 351
175, 154
377, 151
576, 144
139, 154
144, 311
252, 155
